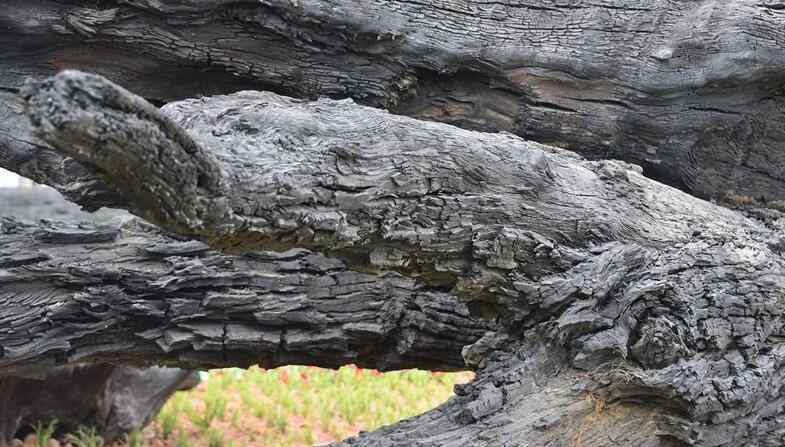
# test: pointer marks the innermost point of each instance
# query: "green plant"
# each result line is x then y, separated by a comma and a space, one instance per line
297, 405
43, 433
182, 439
135, 439
214, 438
167, 421
279, 420
85, 437
215, 408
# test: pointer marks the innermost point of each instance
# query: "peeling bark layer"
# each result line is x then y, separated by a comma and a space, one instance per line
623, 311
692, 91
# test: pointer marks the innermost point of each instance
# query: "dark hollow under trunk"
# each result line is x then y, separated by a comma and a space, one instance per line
114, 400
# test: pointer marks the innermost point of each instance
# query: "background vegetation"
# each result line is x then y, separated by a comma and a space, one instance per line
289, 406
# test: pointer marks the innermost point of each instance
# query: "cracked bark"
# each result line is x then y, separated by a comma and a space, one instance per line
114, 399
108, 294
691, 91
86, 294
621, 311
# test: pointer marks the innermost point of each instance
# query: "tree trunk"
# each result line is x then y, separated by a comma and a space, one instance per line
602, 308
691, 91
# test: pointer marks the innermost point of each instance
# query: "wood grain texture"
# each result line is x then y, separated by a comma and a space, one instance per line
23, 153
621, 311
86, 293
112, 398
691, 91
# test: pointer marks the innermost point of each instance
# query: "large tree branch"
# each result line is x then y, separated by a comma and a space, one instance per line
332, 175
635, 290
690, 91
114, 399
24, 153
175, 182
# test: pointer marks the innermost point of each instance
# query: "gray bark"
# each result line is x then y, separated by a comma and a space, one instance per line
131, 295
691, 91
619, 311
22, 152
114, 399
113, 291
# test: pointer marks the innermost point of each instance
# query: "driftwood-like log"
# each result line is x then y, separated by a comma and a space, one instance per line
691, 91
97, 292
625, 312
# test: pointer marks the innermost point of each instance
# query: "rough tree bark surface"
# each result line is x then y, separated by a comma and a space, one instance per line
74, 294
607, 309
114, 399
691, 91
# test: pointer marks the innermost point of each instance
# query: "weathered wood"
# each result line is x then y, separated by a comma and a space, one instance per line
66, 294
140, 297
22, 152
625, 312
114, 399
691, 91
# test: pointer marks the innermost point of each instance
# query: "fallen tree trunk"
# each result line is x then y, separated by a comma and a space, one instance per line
128, 294
622, 311
691, 91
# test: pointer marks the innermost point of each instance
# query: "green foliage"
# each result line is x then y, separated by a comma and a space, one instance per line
167, 421
43, 433
135, 439
215, 406
214, 438
298, 405
182, 440
85, 437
